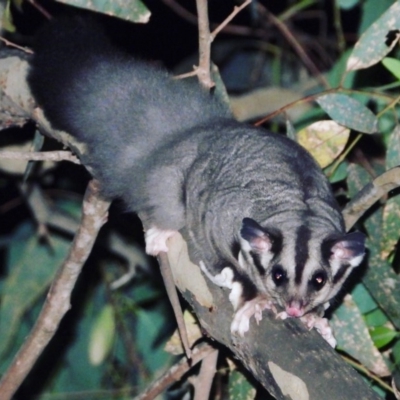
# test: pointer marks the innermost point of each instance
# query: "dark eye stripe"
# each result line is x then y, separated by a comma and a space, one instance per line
303, 235
341, 272
257, 262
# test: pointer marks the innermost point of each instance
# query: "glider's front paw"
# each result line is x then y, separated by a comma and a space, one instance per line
241, 319
321, 325
156, 240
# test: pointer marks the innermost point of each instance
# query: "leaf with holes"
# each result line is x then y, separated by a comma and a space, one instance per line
377, 41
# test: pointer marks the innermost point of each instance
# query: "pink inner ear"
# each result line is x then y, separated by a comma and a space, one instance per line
340, 251
261, 243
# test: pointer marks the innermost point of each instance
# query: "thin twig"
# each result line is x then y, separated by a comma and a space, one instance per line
176, 372
169, 284
206, 376
231, 29
204, 70
236, 10
337, 23
41, 9
12, 44
94, 213
295, 44
187, 74
61, 155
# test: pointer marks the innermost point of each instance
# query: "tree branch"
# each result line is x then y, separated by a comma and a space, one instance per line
370, 194
176, 372
236, 10
203, 70
205, 377
40, 156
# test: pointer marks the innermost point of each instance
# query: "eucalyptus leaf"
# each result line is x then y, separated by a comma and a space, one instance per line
32, 267
379, 279
325, 140
102, 336
335, 75
240, 387
370, 11
383, 335
396, 353
391, 209
392, 65
151, 323
373, 44
339, 174
362, 297
348, 112
347, 4
131, 10
352, 336
376, 318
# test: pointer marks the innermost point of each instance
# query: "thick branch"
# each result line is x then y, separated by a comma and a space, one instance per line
40, 156
58, 299
370, 194
176, 372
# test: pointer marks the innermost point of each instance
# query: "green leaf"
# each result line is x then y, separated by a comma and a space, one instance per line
335, 75
372, 46
32, 267
239, 387
132, 10
376, 318
352, 336
379, 278
339, 174
151, 323
391, 209
361, 296
7, 19
77, 373
348, 112
347, 4
396, 353
371, 10
382, 336
392, 65
102, 336
393, 149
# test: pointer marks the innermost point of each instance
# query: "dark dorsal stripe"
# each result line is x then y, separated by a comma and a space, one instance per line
301, 250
